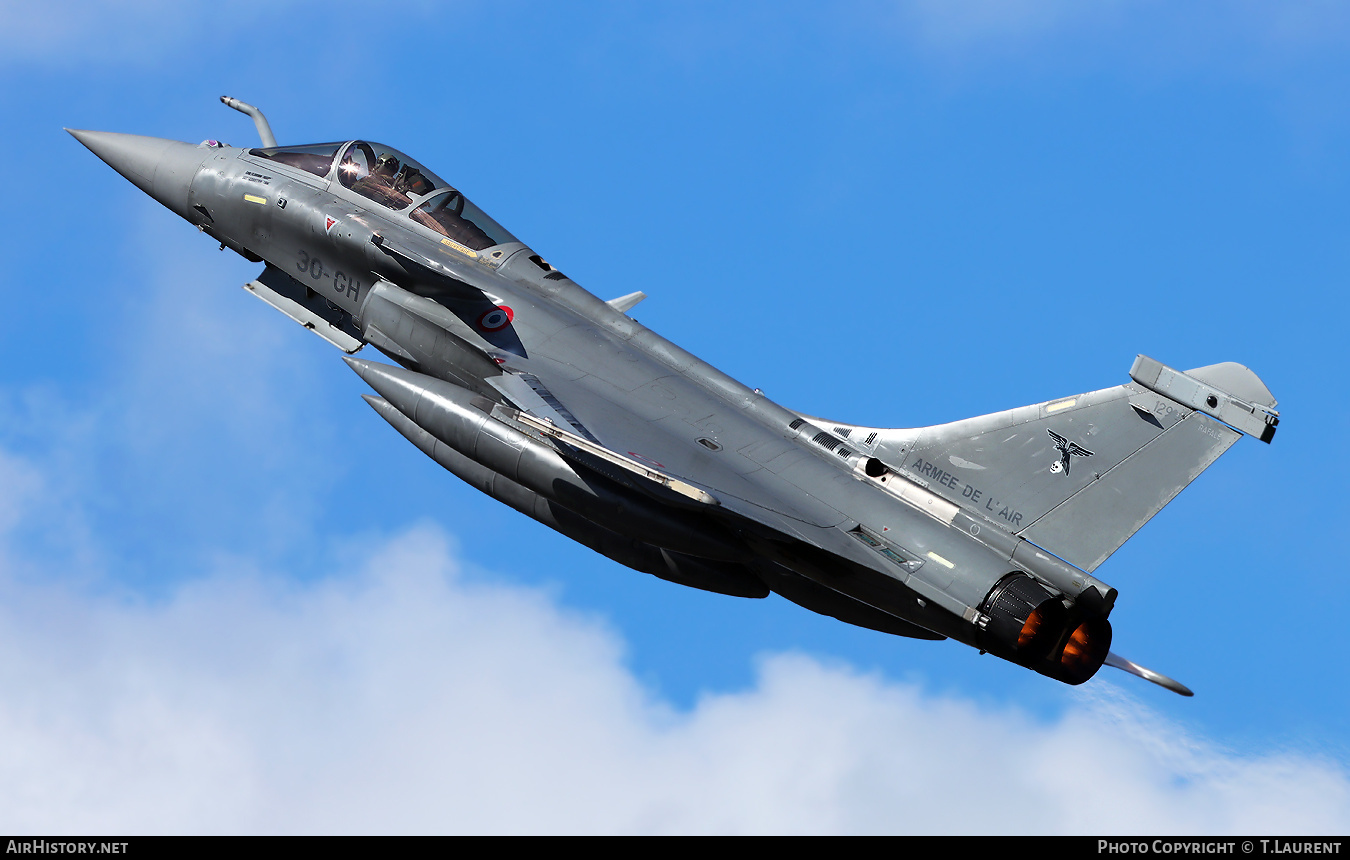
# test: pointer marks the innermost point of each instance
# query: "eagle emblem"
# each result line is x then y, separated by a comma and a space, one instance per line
1066, 450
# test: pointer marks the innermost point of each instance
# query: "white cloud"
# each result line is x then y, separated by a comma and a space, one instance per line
193, 430
960, 24
405, 696
137, 32
951, 25
77, 30
148, 32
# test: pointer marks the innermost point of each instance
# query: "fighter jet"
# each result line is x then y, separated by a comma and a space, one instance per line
516, 379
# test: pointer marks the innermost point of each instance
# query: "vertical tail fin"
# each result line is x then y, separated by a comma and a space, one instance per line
1078, 476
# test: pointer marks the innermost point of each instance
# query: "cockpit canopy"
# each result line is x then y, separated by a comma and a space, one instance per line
395, 181
317, 158
454, 217
389, 178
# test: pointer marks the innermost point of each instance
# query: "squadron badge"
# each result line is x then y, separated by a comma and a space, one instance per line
1066, 450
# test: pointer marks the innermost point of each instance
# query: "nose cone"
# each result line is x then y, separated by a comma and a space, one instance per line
162, 168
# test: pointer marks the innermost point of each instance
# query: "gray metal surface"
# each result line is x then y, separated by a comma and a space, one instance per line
1191, 390
548, 399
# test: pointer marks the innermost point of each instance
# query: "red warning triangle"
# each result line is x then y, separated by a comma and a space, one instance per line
329, 221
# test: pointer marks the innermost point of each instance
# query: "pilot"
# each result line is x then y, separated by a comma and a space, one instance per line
386, 167
379, 185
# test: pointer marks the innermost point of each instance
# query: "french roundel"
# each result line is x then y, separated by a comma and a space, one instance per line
496, 319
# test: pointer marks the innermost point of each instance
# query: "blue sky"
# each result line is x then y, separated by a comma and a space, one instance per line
231, 599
